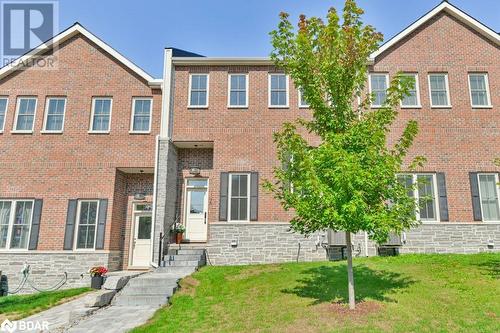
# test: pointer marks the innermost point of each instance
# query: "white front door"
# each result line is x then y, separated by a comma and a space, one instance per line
141, 247
196, 214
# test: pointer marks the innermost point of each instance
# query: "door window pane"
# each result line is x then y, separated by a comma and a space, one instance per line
439, 92
489, 197
3, 111
197, 202
144, 227
197, 182
141, 115
25, 114
102, 114
55, 114
87, 221
378, 85
278, 90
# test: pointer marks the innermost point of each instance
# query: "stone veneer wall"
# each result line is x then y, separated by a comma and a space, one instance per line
47, 268
273, 242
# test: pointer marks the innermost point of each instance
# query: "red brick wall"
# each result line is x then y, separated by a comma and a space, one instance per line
454, 141
75, 164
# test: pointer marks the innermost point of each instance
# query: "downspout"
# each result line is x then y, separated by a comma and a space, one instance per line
366, 244
164, 134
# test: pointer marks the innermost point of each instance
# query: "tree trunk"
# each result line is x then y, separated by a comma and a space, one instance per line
350, 274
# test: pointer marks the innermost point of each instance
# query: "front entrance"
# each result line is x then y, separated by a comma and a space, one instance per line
141, 241
196, 210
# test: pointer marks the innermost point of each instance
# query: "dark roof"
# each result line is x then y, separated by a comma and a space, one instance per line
182, 53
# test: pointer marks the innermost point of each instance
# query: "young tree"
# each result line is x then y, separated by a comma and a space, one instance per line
338, 171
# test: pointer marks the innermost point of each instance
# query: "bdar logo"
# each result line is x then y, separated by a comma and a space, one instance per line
8, 326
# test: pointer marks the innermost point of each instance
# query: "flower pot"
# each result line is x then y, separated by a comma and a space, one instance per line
96, 282
178, 238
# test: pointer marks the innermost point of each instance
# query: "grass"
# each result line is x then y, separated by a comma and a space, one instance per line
408, 293
15, 307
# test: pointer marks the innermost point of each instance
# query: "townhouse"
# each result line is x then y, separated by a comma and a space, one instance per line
99, 158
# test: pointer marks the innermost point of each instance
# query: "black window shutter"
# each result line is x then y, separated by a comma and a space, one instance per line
101, 224
35, 224
254, 196
69, 232
476, 202
443, 198
224, 182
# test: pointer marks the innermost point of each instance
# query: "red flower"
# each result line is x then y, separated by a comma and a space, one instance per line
98, 271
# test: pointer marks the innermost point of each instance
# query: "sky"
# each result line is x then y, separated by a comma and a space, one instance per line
140, 30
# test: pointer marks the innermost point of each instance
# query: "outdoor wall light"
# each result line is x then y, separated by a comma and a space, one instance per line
194, 171
490, 244
234, 243
139, 196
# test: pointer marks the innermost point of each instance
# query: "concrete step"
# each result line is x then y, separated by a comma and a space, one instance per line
186, 251
136, 300
163, 290
185, 263
177, 257
174, 271
152, 282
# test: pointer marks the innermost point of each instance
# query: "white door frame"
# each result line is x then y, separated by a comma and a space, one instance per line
135, 215
188, 188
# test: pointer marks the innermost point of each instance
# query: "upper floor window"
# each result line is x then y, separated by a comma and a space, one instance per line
422, 187
54, 114
4, 101
488, 195
439, 90
239, 197
302, 102
141, 115
378, 88
278, 90
479, 90
101, 115
25, 114
412, 100
15, 223
238, 90
86, 224
198, 90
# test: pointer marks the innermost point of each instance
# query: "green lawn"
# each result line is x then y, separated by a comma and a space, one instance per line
409, 293
16, 307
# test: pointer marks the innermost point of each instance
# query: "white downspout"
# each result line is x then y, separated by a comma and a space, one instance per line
366, 244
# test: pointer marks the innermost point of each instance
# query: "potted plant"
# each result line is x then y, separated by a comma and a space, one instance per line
97, 276
179, 230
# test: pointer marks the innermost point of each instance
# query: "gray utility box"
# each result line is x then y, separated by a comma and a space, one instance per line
393, 240
336, 238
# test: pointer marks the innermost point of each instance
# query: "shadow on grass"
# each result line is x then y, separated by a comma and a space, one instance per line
490, 268
329, 283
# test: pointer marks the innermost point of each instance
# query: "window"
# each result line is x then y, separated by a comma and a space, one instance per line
424, 192
87, 224
141, 115
15, 223
440, 92
25, 114
278, 90
479, 91
4, 101
488, 195
239, 205
302, 102
238, 90
101, 115
378, 88
198, 90
413, 99
54, 114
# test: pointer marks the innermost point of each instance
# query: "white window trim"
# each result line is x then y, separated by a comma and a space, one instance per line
229, 192
481, 199
47, 102
11, 219
131, 131
417, 92
487, 84
375, 106
447, 91
301, 106
2, 128
229, 105
91, 129
416, 195
271, 106
77, 224
189, 91
18, 104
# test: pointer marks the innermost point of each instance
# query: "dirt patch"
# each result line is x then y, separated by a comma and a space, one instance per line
253, 271
342, 311
188, 286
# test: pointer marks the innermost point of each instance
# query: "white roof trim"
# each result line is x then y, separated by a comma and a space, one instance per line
222, 61
65, 35
450, 9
